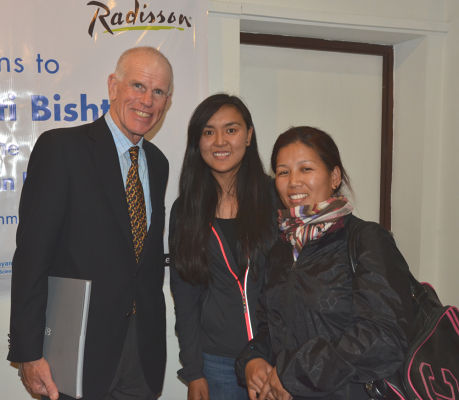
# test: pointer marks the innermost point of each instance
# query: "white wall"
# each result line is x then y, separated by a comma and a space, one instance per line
447, 227
338, 92
424, 34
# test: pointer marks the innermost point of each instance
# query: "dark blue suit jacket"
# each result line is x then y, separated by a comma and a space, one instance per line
74, 222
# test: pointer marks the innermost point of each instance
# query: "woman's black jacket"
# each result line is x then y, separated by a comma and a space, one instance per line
210, 318
329, 331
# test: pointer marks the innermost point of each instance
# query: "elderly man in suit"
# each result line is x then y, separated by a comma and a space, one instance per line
92, 208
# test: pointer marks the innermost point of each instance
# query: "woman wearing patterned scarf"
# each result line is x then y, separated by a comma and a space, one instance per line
324, 332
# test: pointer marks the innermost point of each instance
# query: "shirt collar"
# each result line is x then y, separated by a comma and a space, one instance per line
123, 144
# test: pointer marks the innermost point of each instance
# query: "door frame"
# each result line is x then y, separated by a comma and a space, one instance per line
387, 101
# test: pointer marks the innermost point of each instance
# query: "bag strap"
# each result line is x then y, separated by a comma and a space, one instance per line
419, 291
352, 240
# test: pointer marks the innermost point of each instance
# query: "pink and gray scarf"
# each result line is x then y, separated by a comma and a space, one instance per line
301, 224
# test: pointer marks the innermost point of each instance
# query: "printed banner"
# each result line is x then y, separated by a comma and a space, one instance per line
55, 58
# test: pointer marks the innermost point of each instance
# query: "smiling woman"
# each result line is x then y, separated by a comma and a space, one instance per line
223, 143
307, 158
302, 178
324, 330
220, 231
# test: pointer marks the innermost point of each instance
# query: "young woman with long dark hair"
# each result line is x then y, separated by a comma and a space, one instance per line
220, 231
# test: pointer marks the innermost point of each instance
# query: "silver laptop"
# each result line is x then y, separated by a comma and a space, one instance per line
65, 332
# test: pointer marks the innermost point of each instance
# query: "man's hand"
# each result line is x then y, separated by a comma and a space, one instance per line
256, 374
36, 377
198, 390
273, 388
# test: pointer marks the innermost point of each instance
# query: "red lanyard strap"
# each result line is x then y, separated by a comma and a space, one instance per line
243, 290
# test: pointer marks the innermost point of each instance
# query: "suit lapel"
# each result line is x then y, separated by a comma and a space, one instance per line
154, 189
109, 173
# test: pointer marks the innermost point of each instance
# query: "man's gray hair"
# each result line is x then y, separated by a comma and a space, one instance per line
120, 69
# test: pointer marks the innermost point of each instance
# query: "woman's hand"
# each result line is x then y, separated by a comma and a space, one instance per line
273, 388
198, 389
256, 375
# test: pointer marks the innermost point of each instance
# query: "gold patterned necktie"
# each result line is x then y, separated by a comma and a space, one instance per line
136, 203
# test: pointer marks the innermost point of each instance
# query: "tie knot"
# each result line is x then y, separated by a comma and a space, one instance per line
134, 153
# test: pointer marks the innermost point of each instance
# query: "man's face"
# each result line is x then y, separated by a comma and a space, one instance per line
139, 95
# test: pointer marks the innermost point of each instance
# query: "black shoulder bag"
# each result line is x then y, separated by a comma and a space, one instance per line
431, 367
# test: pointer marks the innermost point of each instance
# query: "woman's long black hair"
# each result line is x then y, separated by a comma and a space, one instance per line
198, 197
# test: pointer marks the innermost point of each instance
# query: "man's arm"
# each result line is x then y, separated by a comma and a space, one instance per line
41, 212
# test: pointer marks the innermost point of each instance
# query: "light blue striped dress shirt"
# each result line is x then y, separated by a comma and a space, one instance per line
123, 144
